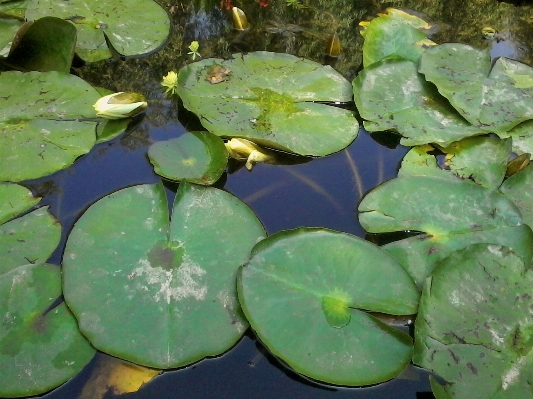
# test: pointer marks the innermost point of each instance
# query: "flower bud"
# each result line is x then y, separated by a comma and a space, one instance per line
120, 105
242, 149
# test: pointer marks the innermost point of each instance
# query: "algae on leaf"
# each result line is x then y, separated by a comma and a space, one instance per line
271, 99
156, 293
306, 293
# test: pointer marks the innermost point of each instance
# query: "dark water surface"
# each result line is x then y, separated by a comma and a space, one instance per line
322, 193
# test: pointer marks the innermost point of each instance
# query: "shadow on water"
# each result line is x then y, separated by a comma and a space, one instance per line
322, 192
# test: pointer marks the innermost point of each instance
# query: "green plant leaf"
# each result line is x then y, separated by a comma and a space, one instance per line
8, 29
305, 292
436, 206
495, 99
418, 162
46, 45
197, 157
39, 128
156, 294
133, 27
519, 189
474, 324
14, 199
40, 348
271, 99
28, 239
391, 94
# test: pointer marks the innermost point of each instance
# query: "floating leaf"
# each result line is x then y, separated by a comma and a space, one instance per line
14, 199
271, 99
46, 45
40, 348
8, 29
156, 294
39, 128
483, 159
519, 189
474, 325
118, 21
305, 293
197, 157
116, 377
496, 99
391, 94
418, 162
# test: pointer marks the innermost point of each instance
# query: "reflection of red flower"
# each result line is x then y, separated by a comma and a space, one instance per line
226, 4
263, 3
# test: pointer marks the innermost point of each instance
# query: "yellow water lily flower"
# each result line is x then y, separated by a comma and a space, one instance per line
242, 149
170, 81
194, 46
120, 105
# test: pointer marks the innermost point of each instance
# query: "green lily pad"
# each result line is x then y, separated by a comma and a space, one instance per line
39, 128
437, 206
133, 27
418, 162
483, 159
28, 239
8, 29
156, 294
198, 157
40, 348
14, 199
519, 189
474, 324
111, 128
395, 34
270, 99
305, 293
391, 94
46, 45
495, 99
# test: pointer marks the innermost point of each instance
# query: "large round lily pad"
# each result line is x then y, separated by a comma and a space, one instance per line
40, 348
305, 293
474, 327
158, 294
270, 99
39, 128
133, 27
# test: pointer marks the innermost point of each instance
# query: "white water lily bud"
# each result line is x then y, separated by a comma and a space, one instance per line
242, 149
120, 105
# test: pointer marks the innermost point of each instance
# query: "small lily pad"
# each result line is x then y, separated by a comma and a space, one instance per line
158, 294
40, 347
474, 324
271, 99
198, 157
117, 20
40, 130
305, 293
14, 199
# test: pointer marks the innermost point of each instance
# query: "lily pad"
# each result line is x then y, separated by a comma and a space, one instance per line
39, 123
395, 34
496, 99
435, 206
156, 294
198, 157
271, 99
305, 293
391, 94
474, 325
8, 29
519, 189
116, 20
418, 162
46, 45
40, 347
14, 199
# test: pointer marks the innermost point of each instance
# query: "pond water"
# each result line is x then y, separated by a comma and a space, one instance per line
323, 192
